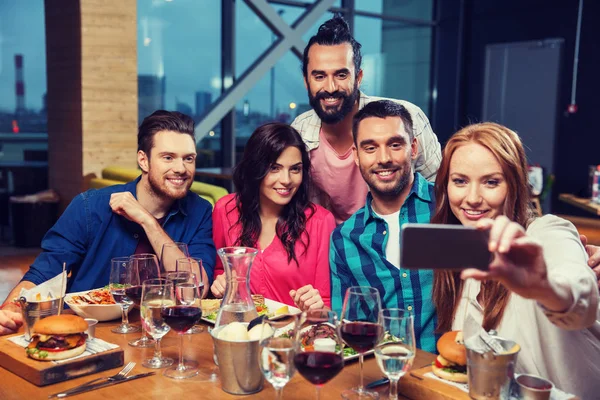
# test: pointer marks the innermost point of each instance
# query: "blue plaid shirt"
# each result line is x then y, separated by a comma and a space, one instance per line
357, 258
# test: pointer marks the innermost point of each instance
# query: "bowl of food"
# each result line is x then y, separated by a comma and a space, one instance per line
96, 303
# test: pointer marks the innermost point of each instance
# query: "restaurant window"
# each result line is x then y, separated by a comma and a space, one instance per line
179, 63
22, 79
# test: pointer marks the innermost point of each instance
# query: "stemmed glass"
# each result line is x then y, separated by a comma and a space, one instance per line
194, 266
182, 317
157, 294
318, 360
144, 266
277, 352
122, 277
361, 329
170, 253
396, 349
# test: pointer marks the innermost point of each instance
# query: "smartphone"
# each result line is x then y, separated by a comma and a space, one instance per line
439, 246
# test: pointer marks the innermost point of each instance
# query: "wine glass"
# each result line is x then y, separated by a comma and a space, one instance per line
144, 266
194, 266
182, 317
318, 360
121, 277
361, 329
171, 252
277, 352
396, 349
157, 294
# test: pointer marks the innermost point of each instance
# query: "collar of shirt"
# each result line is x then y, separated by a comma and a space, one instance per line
419, 188
180, 205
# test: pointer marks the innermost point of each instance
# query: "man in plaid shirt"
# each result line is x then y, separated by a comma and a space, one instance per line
332, 76
365, 249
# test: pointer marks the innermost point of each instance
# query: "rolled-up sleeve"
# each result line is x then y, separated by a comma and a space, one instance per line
429, 154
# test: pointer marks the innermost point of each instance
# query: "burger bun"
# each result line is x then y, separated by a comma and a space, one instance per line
452, 348
450, 376
65, 324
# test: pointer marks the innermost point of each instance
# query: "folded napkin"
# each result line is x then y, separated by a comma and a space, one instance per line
556, 394
51, 289
93, 346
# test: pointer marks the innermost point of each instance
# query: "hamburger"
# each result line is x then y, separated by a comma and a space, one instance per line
451, 364
57, 337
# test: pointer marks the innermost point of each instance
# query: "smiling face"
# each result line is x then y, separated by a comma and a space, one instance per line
170, 167
282, 180
331, 81
384, 154
477, 187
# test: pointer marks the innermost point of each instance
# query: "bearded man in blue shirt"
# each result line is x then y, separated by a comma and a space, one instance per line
365, 249
121, 220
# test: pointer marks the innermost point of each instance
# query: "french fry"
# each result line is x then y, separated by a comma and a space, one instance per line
38, 297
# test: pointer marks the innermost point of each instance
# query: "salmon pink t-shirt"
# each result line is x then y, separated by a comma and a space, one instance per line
338, 176
271, 274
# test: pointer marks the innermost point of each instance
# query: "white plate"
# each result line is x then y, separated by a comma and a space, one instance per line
101, 312
272, 305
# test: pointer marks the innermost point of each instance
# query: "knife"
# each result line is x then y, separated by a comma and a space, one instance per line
99, 385
378, 382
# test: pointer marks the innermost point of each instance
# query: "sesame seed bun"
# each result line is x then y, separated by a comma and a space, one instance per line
453, 349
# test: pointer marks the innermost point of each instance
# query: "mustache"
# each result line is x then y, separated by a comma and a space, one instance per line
336, 95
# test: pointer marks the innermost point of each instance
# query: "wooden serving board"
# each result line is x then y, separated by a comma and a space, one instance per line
41, 373
416, 385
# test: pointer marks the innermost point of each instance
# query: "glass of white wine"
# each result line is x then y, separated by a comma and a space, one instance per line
277, 352
157, 294
395, 350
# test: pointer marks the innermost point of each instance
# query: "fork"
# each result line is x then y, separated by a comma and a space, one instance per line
116, 377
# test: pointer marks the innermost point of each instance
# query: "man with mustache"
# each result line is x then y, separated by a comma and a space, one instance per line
332, 75
137, 217
365, 249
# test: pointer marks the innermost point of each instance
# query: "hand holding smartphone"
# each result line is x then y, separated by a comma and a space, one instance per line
440, 246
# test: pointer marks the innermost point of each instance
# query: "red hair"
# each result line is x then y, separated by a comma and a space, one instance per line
506, 146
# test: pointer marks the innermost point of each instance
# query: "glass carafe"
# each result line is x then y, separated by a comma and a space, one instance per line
237, 304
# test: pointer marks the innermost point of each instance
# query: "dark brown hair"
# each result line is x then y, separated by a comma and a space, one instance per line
161, 120
506, 146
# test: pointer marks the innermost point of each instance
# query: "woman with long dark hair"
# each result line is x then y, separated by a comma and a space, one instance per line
539, 290
271, 211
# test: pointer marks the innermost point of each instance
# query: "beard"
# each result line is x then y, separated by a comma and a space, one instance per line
393, 189
333, 115
160, 188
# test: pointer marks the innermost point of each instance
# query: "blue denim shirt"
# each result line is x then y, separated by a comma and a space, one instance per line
89, 234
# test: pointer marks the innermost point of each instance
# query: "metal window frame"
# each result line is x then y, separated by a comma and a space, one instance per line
222, 111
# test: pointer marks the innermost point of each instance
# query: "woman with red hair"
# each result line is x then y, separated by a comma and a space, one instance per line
538, 290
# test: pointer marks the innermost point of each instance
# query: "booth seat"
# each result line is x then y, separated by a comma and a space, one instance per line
115, 175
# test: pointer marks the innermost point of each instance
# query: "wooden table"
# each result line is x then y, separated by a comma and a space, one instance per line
216, 173
579, 202
199, 347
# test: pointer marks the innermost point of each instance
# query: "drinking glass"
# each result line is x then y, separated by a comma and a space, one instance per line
182, 317
318, 360
194, 266
171, 252
361, 329
277, 352
157, 294
122, 277
395, 350
144, 266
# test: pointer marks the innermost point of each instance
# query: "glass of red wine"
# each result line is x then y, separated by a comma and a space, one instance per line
171, 252
181, 317
193, 266
144, 266
361, 329
121, 278
319, 347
